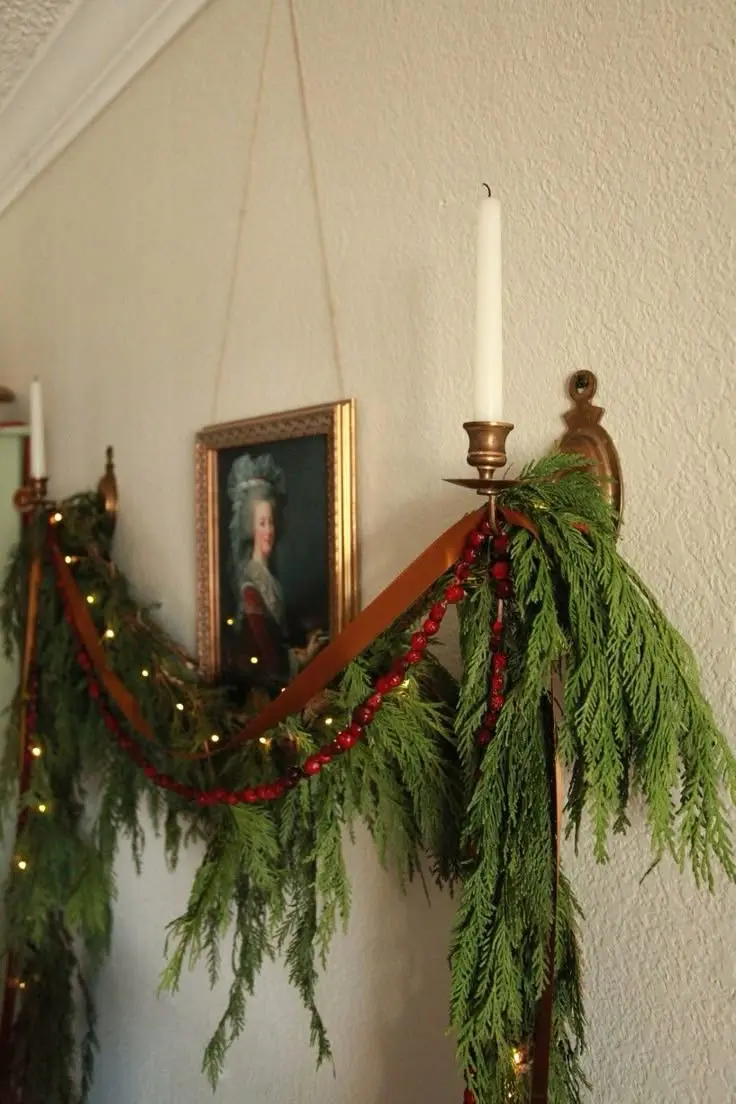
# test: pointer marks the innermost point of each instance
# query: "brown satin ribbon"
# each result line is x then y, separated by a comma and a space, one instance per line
406, 589
542, 1046
399, 596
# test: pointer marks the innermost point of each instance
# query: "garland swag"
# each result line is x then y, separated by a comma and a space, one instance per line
455, 771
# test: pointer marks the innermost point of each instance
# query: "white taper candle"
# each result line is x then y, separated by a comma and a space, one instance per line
488, 326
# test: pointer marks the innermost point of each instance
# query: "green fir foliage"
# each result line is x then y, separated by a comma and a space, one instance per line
582, 631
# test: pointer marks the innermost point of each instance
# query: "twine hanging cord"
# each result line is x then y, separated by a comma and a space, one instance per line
244, 208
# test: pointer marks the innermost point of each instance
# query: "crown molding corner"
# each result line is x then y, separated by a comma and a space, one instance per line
98, 51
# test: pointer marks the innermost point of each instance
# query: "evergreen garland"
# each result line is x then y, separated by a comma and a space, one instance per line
273, 874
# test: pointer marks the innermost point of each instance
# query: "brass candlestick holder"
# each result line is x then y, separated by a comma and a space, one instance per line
487, 454
32, 496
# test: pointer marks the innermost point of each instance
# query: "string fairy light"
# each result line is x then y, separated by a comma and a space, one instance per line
180, 707
145, 673
22, 864
230, 621
91, 599
42, 807
57, 517
254, 659
109, 634
329, 720
215, 738
36, 751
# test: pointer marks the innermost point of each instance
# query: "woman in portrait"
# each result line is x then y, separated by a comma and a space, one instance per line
257, 491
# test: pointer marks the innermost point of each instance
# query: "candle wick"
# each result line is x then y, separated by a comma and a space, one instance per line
488, 189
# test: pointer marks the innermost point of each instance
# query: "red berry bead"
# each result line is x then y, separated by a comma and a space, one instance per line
430, 627
231, 799
497, 627
278, 789
362, 715
462, 572
346, 740
439, 609
414, 656
496, 703
500, 661
150, 772
394, 680
399, 665
324, 756
468, 1097
83, 661
500, 544
455, 593
470, 555
94, 690
203, 799
484, 737
126, 743
419, 641
504, 588
476, 538
374, 701
263, 792
312, 765
497, 684
500, 570
249, 795
490, 719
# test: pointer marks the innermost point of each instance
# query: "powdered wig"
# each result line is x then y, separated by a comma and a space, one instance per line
250, 480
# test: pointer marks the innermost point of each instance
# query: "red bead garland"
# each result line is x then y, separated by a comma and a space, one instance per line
362, 716
500, 572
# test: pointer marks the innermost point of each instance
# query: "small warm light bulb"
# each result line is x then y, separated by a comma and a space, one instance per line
57, 517
264, 740
109, 634
42, 808
230, 621
36, 751
215, 738
22, 864
254, 659
91, 599
282, 689
68, 560
517, 1058
145, 672
406, 684
180, 707
21, 985
329, 720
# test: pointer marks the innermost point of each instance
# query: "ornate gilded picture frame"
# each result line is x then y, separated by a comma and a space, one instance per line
277, 572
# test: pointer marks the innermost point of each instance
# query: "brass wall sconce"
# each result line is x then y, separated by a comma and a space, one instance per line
107, 489
587, 437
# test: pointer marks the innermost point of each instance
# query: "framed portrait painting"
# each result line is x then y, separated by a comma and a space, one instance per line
276, 543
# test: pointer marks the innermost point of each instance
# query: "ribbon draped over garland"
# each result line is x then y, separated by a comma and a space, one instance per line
461, 774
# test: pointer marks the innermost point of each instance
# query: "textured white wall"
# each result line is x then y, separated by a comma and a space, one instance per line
608, 131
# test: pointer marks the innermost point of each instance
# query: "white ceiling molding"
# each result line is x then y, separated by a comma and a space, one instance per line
93, 56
